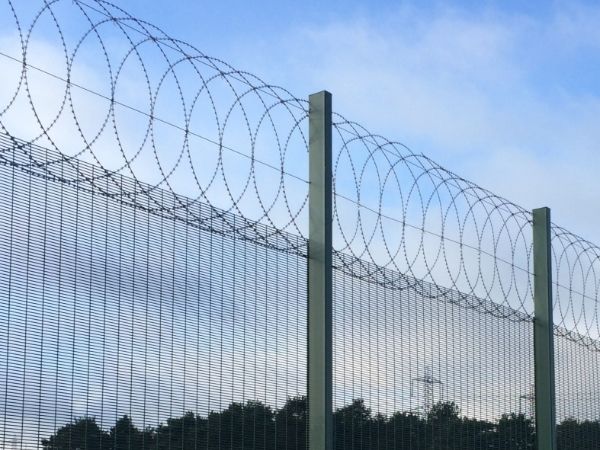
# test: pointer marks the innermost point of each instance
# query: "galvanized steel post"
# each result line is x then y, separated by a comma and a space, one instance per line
320, 353
545, 415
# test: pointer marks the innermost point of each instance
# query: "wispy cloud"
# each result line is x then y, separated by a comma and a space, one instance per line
491, 95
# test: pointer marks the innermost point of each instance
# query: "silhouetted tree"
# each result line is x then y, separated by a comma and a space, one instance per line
477, 434
572, 435
444, 426
254, 425
125, 435
568, 434
406, 431
187, 431
251, 425
515, 432
83, 433
291, 423
352, 426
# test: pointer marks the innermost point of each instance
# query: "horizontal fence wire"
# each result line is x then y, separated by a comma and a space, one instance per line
96, 84
154, 214
402, 211
576, 284
420, 368
433, 304
129, 325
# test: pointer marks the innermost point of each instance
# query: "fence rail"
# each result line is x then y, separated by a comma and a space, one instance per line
182, 268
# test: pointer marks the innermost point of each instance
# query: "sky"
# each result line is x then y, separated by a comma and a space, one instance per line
130, 318
501, 93
504, 94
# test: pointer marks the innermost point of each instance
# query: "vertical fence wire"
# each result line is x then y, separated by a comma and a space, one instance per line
154, 189
153, 279
131, 328
432, 304
575, 267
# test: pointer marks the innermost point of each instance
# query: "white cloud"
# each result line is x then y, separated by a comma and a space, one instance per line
482, 93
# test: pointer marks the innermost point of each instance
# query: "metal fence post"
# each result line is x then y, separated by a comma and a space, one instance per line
320, 354
545, 415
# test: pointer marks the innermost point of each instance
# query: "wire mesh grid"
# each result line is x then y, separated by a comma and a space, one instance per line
576, 289
99, 85
433, 304
130, 328
416, 368
154, 213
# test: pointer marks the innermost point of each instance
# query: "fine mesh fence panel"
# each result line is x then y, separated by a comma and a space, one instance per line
432, 304
577, 394
576, 347
415, 369
128, 324
153, 263
153, 295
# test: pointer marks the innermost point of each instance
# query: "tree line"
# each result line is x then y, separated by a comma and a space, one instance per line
254, 425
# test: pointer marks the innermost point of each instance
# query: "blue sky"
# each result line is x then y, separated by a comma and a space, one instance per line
499, 93
502, 93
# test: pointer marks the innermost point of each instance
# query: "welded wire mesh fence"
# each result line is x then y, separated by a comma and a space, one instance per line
433, 304
576, 287
153, 278
172, 329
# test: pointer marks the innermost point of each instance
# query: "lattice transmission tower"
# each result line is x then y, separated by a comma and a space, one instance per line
428, 382
530, 398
